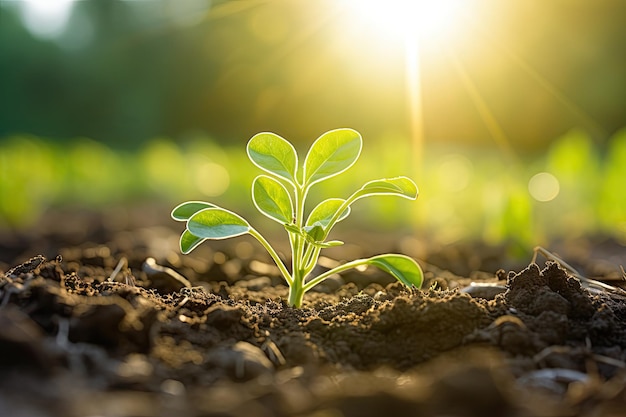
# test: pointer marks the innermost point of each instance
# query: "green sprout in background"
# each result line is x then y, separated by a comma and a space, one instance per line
282, 195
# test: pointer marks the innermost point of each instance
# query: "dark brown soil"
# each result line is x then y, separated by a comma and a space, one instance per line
123, 325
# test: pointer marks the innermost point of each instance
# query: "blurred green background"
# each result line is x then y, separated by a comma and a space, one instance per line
507, 114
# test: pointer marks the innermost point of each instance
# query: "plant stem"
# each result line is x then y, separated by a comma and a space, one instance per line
296, 292
301, 193
273, 254
311, 261
335, 270
306, 257
299, 254
337, 214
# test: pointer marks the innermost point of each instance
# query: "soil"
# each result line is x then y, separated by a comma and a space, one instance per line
103, 317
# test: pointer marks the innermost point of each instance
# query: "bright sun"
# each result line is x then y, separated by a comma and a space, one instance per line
408, 19
413, 24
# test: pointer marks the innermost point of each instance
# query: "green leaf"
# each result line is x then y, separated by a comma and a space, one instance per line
217, 223
398, 186
272, 199
324, 211
292, 228
184, 211
314, 233
188, 241
273, 154
331, 154
329, 243
403, 268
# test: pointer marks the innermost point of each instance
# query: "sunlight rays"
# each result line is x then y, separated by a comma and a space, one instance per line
491, 123
568, 103
386, 45
414, 98
411, 23
424, 27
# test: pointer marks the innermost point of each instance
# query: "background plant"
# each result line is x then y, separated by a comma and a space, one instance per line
282, 195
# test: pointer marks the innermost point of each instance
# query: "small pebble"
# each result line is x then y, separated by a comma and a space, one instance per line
488, 291
164, 279
243, 360
173, 387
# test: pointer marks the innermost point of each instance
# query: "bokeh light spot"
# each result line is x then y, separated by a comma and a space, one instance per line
455, 172
544, 187
46, 18
212, 179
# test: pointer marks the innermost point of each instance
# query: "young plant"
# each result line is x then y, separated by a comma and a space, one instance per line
282, 195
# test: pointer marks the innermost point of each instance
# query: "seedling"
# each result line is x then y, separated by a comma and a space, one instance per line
282, 195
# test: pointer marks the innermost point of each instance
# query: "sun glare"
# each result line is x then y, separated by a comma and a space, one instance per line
403, 19
412, 25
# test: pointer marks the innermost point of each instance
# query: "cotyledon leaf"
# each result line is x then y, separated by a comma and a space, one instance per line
272, 199
188, 241
217, 223
184, 211
403, 268
398, 186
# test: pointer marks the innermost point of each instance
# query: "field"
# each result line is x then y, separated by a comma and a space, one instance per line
108, 318
500, 291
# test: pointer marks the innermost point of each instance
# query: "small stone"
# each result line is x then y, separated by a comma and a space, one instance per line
488, 291
255, 284
243, 360
173, 387
135, 367
165, 280
552, 380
